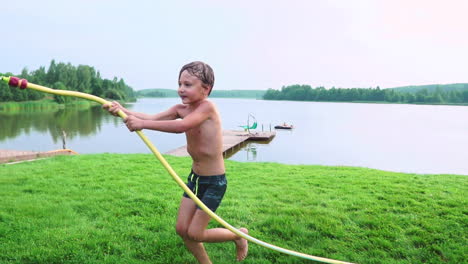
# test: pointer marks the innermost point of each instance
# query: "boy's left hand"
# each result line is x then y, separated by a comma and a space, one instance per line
133, 123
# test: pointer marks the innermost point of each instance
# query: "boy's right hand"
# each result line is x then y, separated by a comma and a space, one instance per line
113, 108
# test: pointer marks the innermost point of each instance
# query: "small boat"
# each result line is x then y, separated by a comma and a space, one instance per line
284, 126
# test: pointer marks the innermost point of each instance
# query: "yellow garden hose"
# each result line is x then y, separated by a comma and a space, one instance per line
22, 83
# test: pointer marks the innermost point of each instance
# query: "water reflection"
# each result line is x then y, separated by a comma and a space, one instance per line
252, 150
73, 121
247, 149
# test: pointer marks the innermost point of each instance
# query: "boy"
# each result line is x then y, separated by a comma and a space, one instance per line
200, 121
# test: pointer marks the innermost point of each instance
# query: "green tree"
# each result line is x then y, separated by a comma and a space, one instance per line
113, 94
64, 75
5, 91
51, 73
465, 96
58, 98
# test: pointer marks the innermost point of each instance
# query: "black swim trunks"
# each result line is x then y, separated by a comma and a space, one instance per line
209, 189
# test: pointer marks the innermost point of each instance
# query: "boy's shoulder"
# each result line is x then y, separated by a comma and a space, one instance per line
205, 104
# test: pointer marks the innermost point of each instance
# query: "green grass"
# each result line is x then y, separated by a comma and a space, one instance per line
29, 105
110, 208
41, 105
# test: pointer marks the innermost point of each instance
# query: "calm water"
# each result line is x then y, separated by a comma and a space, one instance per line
407, 138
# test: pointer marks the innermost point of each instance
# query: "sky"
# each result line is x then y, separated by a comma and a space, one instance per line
250, 44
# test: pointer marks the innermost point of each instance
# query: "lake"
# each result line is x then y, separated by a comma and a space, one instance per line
405, 138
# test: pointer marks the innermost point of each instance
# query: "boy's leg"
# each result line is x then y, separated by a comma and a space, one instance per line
186, 212
197, 231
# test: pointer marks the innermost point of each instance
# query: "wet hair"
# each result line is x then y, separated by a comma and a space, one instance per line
202, 71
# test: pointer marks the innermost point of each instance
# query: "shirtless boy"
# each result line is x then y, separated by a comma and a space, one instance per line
200, 120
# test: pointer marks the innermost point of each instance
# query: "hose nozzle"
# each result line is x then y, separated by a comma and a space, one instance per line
15, 82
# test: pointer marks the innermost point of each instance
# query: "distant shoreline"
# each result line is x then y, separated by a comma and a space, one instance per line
355, 102
48, 104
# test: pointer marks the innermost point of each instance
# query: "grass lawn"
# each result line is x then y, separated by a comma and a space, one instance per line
113, 208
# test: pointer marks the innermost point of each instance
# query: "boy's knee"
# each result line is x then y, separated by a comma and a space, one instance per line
195, 235
181, 230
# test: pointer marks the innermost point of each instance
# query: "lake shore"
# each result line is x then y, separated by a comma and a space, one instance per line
356, 102
45, 104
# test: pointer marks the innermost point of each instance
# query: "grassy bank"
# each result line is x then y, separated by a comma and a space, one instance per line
33, 105
42, 105
111, 208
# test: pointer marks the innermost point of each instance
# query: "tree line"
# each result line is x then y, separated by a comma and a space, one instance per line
256, 94
307, 93
64, 76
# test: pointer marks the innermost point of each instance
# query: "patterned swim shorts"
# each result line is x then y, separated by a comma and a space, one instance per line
209, 189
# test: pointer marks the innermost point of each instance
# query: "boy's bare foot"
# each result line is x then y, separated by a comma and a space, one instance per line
242, 245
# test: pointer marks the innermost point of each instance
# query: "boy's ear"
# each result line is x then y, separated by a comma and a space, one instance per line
207, 89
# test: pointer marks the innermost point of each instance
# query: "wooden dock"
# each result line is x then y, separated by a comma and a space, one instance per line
231, 139
10, 156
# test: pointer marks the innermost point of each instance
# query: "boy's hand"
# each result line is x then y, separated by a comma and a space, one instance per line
113, 108
134, 123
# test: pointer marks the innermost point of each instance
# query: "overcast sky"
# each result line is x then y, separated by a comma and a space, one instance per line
250, 44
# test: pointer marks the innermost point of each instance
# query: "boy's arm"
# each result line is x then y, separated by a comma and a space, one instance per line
194, 119
169, 114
